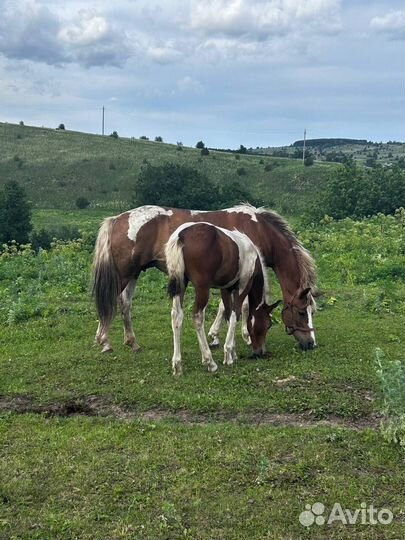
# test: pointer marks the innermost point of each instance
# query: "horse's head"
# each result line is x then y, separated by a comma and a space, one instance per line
258, 325
297, 317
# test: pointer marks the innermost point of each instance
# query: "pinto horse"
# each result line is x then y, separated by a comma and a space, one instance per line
210, 256
134, 241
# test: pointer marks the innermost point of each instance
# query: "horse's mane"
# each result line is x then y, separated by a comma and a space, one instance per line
305, 262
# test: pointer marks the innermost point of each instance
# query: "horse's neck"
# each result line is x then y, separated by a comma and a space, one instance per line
287, 270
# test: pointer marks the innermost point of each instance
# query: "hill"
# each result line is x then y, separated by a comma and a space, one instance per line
337, 149
57, 166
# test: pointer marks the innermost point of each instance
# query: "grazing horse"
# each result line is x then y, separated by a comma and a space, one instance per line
210, 256
134, 241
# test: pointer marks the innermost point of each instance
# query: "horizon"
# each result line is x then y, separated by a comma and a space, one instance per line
132, 137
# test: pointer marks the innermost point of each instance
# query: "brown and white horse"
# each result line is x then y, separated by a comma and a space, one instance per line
134, 241
212, 257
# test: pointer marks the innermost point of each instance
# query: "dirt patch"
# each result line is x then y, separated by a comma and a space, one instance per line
105, 407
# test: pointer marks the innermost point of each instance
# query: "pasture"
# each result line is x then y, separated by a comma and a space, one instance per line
113, 446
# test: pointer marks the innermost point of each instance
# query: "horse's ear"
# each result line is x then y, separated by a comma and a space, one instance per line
317, 294
304, 293
273, 306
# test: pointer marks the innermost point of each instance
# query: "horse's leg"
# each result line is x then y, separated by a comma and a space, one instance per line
102, 337
201, 301
235, 312
245, 314
213, 332
177, 323
125, 303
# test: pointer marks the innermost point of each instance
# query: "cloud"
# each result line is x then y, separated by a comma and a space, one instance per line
164, 54
392, 24
31, 31
263, 20
28, 31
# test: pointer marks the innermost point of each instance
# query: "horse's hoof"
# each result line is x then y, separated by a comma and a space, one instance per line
215, 344
107, 349
212, 368
177, 371
134, 347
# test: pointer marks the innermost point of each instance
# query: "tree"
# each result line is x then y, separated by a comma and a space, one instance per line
184, 187
114, 135
242, 149
15, 214
356, 192
158, 139
200, 145
61, 126
82, 202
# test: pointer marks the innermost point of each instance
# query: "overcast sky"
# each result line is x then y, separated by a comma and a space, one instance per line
228, 72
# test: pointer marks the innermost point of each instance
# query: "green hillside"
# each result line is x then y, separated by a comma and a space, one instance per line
57, 166
336, 150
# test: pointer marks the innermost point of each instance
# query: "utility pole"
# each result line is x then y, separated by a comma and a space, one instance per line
303, 149
102, 128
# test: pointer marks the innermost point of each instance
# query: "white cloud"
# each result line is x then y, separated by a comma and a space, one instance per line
31, 31
392, 24
263, 20
165, 54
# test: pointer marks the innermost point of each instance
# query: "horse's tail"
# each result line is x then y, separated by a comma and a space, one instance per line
106, 279
175, 265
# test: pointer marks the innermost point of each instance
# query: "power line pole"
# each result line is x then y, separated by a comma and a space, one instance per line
303, 148
102, 128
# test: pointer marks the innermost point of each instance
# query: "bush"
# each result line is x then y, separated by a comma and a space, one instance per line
184, 187
158, 139
114, 135
82, 202
241, 171
356, 192
61, 126
391, 376
308, 161
205, 151
144, 138
15, 214
44, 237
200, 145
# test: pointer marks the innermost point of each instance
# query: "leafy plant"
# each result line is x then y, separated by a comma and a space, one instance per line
391, 376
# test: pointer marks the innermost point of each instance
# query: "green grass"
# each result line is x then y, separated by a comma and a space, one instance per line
94, 478
123, 477
56, 167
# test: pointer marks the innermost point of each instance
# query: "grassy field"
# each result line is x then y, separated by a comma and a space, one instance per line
55, 167
95, 446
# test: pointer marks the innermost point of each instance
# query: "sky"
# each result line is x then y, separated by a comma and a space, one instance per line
228, 72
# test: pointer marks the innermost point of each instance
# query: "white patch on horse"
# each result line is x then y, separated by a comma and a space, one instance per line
139, 217
196, 212
309, 312
243, 209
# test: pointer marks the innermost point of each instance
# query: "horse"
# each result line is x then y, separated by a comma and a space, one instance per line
134, 241
213, 257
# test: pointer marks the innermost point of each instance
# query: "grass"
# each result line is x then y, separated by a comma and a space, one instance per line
55, 167
93, 478
225, 477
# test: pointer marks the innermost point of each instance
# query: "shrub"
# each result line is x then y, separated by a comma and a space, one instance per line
158, 139
82, 202
144, 138
241, 171
114, 135
205, 151
352, 191
61, 126
391, 376
184, 187
200, 145
44, 237
15, 214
